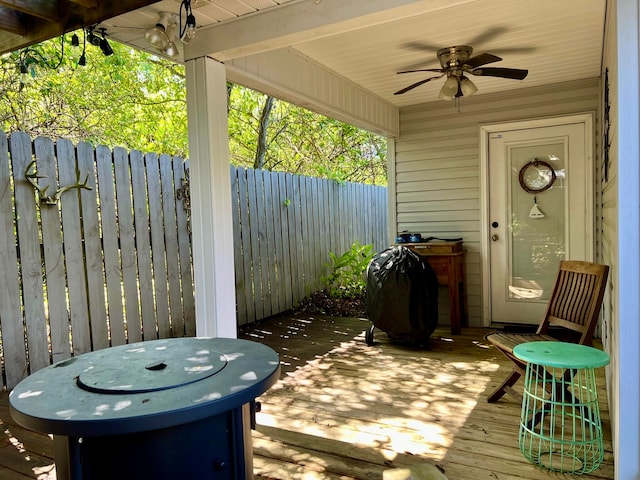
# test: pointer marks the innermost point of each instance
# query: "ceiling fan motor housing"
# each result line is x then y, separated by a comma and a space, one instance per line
454, 57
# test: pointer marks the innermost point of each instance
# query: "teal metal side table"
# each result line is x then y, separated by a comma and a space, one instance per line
560, 427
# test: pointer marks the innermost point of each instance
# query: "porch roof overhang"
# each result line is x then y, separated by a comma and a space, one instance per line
25, 22
340, 57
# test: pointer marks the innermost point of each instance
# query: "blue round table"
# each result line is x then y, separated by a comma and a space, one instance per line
162, 409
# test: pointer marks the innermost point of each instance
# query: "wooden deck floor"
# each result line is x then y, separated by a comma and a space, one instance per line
345, 410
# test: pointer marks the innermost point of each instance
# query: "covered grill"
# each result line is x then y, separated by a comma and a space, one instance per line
402, 296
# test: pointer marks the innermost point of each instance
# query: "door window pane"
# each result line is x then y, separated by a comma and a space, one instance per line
537, 228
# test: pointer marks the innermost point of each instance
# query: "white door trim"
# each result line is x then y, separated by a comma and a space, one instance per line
485, 131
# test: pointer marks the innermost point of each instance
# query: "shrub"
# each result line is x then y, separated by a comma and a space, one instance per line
346, 277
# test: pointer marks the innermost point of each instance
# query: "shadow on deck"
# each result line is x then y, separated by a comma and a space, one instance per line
346, 410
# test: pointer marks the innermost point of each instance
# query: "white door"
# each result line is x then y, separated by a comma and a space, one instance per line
540, 210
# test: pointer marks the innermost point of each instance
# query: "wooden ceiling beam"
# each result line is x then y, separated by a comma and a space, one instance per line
297, 22
86, 3
19, 29
11, 21
44, 9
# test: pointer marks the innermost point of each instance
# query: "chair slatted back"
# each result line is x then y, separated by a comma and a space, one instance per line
576, 298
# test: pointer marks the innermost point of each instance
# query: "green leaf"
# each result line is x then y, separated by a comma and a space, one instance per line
346, 277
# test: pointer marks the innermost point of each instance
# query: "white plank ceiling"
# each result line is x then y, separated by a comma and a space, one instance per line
555, 40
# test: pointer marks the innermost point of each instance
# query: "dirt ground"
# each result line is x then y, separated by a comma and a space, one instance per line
321, 303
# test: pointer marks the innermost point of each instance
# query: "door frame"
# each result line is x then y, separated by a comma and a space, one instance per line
587, 119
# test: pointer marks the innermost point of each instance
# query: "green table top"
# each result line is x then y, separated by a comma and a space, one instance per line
561, 355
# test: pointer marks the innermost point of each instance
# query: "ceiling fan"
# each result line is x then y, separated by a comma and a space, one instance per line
457, 63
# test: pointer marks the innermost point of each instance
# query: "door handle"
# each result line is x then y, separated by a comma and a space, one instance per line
494, 237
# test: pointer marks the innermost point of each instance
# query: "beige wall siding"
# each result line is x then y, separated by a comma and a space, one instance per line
437, 169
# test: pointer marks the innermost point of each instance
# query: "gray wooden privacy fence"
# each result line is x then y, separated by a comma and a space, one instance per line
90, 251
95, 249
284, 228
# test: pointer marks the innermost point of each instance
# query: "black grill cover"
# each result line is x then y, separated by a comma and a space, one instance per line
402, 295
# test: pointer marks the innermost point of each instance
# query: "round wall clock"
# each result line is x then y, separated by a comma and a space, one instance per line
536, 176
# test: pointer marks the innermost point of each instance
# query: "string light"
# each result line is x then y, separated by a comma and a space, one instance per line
188, 32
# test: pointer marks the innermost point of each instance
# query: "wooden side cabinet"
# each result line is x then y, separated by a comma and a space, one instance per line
447, 259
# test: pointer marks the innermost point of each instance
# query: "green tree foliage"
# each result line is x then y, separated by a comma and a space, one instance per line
138, 101
304, 142
129, 99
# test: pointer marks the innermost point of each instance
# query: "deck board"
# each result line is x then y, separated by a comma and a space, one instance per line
346, 410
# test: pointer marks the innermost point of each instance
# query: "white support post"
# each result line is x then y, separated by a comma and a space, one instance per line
392, 213
211, 218
626, 421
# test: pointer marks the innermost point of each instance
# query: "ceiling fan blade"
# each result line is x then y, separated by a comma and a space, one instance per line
422, 64
481, 59
488, 34
421, 46
513, 73
508, 50
421, 70
414, 85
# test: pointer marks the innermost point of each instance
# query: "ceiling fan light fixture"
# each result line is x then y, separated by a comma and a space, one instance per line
467, 87
449, 89
457, 61
444, 96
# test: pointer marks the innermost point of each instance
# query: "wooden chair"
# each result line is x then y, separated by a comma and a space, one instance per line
574, 306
